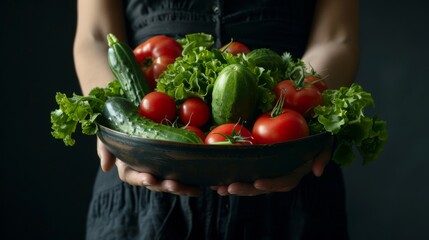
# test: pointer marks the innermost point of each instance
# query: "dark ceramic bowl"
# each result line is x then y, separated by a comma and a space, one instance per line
211, 164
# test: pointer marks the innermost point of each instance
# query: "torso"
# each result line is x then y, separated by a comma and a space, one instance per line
279, 25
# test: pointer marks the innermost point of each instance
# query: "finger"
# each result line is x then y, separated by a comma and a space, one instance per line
175, 187
244, 189
107, 159
283, 183
222, 190
322, 159
133, 177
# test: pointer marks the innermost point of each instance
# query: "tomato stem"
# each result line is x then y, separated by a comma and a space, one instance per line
298, 76
278, 108
225, 48
234, 137
147, 62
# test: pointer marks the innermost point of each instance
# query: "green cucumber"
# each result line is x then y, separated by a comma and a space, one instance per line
269, 60
121, 115
126, 70
266, 58
234, 95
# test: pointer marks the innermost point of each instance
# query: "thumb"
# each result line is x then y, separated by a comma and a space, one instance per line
107, 159
322, 159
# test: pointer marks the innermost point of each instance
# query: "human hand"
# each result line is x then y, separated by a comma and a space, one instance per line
279, 184
133, 177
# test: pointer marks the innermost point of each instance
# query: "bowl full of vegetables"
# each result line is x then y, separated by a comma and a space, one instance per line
216, 116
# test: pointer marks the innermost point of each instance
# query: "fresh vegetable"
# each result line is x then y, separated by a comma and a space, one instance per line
196, 130
343, 115
158, 107
230, 133
121, 115
194, 112
83, 110
194, 73
269, 60
317, 81
280, 125
234, 95
155, 54
295, 67
235, 48
302, 98
126, 70
286, 126
266, 58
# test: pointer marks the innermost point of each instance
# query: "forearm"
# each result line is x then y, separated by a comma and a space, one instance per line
336, 62
91, 65
96, 18
333, 47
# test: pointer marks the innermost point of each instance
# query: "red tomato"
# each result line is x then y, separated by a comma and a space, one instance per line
289, 125
302, 100
317, 82
197, 131
158, 106
235, 48
236, 134
155, 54
194, 112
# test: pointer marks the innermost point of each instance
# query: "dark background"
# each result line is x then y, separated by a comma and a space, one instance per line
46, 187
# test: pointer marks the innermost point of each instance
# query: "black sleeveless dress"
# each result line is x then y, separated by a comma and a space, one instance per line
315, 209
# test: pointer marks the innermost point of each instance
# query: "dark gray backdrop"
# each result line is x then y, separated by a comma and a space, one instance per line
388, 199
45, 186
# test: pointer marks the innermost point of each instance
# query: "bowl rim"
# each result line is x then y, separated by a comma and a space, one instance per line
204, 146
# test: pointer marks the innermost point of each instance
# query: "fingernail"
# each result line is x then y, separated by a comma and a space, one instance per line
318, 173
169, 189
145, 182
260, 187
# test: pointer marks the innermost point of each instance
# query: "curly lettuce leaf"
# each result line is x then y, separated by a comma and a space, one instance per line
292, 64
193, 74
196, 40
343, 115
80, 109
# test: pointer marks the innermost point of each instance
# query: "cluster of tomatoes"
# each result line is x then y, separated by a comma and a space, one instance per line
287, 121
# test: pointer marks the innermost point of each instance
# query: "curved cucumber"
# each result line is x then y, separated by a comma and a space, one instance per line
121, 115
126, 70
